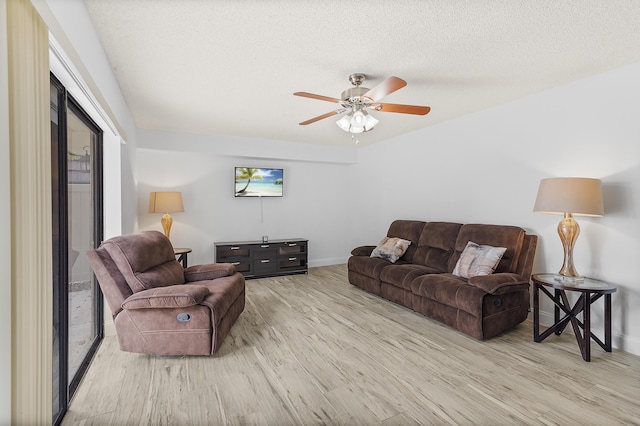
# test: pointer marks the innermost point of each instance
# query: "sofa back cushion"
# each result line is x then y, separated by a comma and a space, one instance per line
146, 260
407, 230
510, 237
436, 245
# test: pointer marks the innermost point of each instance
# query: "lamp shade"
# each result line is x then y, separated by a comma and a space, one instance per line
165, 202
579, 196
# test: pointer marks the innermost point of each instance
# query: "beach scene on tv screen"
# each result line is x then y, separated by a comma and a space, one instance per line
258, 182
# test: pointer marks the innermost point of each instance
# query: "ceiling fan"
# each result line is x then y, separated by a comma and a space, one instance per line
357, 100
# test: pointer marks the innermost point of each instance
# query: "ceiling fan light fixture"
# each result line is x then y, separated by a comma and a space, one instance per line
359, 118
358, 99
345, 122
370, 122
357, 122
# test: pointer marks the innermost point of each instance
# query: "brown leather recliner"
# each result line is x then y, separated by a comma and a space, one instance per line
158, 306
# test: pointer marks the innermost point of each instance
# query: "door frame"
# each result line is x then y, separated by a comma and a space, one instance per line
66, 102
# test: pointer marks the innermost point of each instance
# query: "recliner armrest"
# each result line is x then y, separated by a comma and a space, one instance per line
175, 296
499, 283
209, 271
363, 250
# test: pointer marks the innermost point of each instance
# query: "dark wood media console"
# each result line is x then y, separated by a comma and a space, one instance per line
255, 259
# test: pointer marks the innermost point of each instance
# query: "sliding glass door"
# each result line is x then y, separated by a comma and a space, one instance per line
76, 148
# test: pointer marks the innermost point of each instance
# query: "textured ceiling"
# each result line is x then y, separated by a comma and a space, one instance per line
230, 67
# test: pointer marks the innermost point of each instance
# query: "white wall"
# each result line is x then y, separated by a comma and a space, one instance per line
5, 227
486, 167
315, 204
94, 83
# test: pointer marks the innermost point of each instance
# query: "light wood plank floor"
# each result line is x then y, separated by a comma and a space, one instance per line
313, 349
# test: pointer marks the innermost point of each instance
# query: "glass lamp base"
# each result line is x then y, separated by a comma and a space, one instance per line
564, 279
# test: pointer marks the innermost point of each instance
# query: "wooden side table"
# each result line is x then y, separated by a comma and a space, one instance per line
590, 290
181, 253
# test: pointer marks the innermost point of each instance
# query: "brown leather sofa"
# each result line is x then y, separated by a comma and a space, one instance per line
422, 279
158, 306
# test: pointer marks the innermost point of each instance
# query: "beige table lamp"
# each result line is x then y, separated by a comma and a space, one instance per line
569, 196
166, 202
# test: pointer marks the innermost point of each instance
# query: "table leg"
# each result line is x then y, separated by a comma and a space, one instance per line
607, 322
536, 313
556, 311
586, 319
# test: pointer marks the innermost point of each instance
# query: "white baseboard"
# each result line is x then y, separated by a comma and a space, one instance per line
328, 261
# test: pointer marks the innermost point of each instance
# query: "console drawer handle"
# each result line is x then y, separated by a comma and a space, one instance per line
292, 244
293, 258
235, 263
235, 248
264, 246
265, 261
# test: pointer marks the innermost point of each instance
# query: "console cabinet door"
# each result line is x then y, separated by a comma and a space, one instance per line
238, 255
292, 257
257, 259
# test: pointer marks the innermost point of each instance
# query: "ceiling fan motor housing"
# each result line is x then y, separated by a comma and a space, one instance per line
353, 96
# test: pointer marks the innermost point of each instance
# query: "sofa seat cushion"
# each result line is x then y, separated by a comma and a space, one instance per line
500, 283
450, 290
401, 275
368, 266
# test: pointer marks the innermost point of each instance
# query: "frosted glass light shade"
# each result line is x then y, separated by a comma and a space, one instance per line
579, 196
345, 122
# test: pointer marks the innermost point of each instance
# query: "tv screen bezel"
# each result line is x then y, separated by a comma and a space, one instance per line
259, 194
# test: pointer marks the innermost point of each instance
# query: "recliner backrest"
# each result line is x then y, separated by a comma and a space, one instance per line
436, 245
145, 260
510, 237
407, 230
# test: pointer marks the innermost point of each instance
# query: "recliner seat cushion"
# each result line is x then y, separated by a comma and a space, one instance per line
402, 275
175, 296
368, 266
450, 290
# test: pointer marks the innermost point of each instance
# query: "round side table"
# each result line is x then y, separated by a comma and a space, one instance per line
590, 290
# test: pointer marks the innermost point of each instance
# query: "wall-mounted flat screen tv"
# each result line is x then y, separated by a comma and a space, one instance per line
258, 182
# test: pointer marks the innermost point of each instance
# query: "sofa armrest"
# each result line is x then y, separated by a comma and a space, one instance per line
363, 250
174, 296
499, 283
209, 271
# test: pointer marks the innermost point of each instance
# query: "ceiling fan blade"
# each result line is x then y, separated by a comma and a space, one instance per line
319, 97
385, 88
403, 109
320, 117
